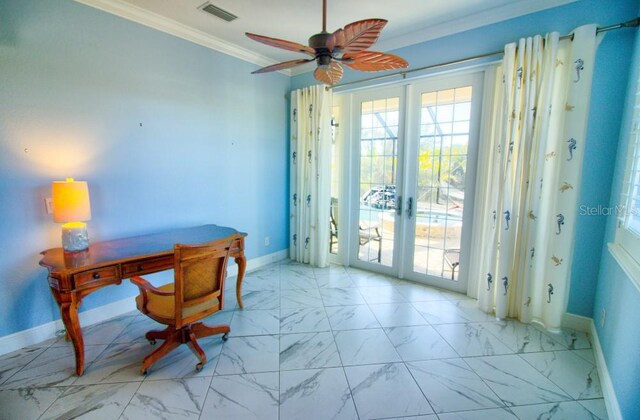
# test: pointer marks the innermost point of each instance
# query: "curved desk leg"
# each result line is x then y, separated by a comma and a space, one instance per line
69, 314
241, 260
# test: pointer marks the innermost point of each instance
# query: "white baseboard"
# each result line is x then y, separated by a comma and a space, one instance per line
584, 324
613, 408
43, 332
256, 263
577, 322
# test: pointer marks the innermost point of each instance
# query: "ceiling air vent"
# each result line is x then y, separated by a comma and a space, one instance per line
218, 12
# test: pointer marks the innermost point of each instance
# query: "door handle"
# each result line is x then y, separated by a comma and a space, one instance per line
399, 205
410, 207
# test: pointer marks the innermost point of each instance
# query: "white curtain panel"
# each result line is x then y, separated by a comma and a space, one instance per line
529, 186
310, 176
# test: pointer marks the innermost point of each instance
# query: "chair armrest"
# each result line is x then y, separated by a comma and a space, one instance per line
368, 233
145, 286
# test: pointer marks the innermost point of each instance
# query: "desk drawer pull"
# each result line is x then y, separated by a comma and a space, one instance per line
93, 278
148, 265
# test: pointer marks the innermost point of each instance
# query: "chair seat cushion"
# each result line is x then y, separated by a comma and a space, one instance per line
164, 306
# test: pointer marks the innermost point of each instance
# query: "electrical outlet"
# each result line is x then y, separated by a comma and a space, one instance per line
603, 316
48, 204
267, 241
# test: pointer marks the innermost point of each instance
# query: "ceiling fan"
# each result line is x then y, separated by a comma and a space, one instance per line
346, 45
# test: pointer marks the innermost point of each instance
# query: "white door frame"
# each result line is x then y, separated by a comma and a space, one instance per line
409, 92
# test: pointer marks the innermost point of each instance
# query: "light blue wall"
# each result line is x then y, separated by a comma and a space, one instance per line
166, 132
609, 85
615, 292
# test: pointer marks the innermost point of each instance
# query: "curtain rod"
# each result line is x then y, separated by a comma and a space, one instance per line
628, 24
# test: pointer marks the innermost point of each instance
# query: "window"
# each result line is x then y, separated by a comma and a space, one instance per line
626, 249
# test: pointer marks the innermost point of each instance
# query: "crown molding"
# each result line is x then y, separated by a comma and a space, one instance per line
487, 17
153, 20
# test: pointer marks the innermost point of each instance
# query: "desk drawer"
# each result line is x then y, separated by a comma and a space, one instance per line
150, 265
237, 246
92, 278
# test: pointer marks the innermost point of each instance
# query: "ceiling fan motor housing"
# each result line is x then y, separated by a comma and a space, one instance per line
319, 41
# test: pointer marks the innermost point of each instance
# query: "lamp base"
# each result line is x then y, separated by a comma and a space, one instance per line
75, 236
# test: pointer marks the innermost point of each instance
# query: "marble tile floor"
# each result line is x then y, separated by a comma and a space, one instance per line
329, 343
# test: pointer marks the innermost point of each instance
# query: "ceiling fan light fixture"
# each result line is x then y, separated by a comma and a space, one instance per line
348, 45
324, 59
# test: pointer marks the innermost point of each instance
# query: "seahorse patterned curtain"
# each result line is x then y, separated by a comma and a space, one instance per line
531, 175
310, 162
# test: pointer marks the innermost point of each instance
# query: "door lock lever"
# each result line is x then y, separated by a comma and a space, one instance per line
410, 207
399, 205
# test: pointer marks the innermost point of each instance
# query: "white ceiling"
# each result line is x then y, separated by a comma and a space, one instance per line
410, 21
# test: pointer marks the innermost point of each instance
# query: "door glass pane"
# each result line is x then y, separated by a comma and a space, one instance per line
442, 163
378, 167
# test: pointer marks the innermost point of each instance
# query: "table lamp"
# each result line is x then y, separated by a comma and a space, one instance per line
72, 208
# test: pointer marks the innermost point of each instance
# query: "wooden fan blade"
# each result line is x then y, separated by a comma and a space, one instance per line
282, 66
356, 36
329, 74
373, 61
281, 43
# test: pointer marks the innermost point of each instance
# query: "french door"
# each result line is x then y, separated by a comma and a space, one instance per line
378, 130
413, 154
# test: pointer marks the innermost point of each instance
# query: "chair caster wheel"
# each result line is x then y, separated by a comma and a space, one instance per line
199, 367
152, 342
225, 337
144, 372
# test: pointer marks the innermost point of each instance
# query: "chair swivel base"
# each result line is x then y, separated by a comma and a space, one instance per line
186, 335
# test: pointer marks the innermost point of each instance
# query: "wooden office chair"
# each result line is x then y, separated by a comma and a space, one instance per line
197, 292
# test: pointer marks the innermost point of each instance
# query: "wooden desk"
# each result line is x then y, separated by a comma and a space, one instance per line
74, 275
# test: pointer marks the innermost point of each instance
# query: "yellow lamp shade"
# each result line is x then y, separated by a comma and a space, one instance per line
70, 201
